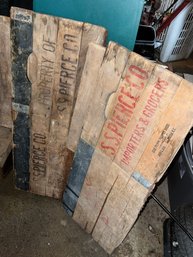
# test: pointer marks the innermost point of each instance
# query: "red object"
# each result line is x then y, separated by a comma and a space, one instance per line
167, 22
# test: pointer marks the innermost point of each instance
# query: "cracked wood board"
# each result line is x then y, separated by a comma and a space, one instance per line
5, 74
136, 76
90, 34
82, 161
91, 109
86, 93
154, 102
93, 199
54, 69
125, 201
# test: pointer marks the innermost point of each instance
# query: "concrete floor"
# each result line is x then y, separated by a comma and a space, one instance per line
35, 226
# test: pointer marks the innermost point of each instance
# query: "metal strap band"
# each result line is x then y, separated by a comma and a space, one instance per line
139, 178
20, 108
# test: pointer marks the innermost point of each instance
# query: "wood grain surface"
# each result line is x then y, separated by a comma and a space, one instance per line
5, 74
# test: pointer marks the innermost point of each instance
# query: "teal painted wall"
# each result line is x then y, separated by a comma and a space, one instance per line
120, 17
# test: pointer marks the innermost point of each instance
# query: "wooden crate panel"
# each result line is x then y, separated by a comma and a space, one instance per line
130, 155
120, 111
124, 204
53, 62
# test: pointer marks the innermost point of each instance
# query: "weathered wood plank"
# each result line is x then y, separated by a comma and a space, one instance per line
109, 75
6, 122
168, 136
86, 91
67, 60
90, 34
21, 48
45, 34
5, 144
68, 51
5, 73
90, 198
114, 223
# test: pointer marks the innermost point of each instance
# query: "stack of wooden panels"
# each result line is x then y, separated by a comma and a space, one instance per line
125, 131
109, 130
48, 56
5, 91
